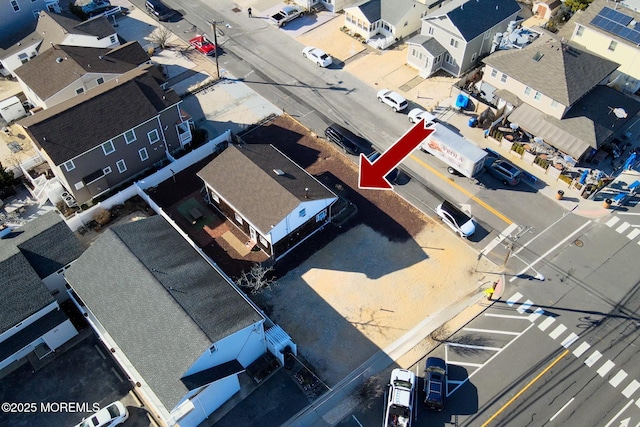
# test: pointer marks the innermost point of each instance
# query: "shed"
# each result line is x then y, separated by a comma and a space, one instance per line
11, 109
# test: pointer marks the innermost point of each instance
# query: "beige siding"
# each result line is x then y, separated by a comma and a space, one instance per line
540, 101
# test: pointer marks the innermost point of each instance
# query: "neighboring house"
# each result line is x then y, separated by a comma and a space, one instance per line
110, 134
15, 15
553, 90
457, 35
275, 202
384, 22
331, 5
55, 29
32, 263
612, 31
72, 70
179, 328
546, 9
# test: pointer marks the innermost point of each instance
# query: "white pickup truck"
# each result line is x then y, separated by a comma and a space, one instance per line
288, 13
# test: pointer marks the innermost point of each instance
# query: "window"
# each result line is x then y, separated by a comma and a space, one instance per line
454, 42
100, 80
554, 103
121, 165
153, 136
494, 73
416, 53
69, 166
15, 6
106, 170
302, 213
213, 348
448, 59
431, 31
78, 185
321, 216
537, 96
130, 136
215, 197
503, 79
143, 154
579, 30
612, 45
23, 58
486, 35
108, 147
79, 90
527, 90
263, 242
238, 218
112, 39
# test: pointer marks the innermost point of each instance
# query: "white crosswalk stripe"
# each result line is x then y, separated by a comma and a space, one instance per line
612, 221
617, 378
546, 323
623, 227
605, 368
631, 388
534, 316
514, 299
593, 358
558, 331
525, 306
581, 349
569, 340
633, 234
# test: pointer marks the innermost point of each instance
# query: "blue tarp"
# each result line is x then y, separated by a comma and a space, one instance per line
583, 177
462, 101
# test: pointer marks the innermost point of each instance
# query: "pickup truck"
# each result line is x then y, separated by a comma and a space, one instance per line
288, 13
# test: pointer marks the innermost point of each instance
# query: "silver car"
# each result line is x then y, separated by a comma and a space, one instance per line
320, 57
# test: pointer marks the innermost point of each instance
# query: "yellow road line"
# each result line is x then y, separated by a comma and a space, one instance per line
462, 190
525, 388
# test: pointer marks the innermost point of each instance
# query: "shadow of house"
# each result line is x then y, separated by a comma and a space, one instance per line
32, 263
194, 331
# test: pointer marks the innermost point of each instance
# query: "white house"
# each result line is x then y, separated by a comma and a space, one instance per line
177, 326
270, 198
33, 260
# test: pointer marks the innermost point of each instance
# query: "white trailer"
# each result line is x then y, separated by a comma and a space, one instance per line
459, 153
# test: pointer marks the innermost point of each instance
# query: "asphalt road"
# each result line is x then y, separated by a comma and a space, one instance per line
545, 377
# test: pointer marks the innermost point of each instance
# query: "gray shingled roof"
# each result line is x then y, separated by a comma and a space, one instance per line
70, 128
159, 300
563, 72
245, 178
53, 28
391, 11
34, 251
64, 65
473, 17
430, 44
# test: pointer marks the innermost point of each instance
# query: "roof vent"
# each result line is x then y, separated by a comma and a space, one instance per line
278, 172
59, 60
633, 23
100, 57
538, 56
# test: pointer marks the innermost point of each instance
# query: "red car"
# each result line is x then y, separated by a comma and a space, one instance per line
203, 45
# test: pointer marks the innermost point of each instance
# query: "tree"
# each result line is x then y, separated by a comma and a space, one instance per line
257, 279
160, 36
7, 180
576, 5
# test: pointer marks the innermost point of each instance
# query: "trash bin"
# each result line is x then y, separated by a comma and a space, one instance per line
473, 121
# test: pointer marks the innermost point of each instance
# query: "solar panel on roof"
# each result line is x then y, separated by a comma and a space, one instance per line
615, 16
615, 22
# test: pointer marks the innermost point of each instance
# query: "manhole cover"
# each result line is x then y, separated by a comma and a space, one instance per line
579, 243
235, 9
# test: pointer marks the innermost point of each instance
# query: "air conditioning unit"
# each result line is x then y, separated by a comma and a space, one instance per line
65, 195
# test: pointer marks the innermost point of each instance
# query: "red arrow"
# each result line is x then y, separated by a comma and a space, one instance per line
372, 175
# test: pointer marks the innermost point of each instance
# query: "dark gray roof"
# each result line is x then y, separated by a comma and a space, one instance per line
64, 65
53, 28
386, 10
32, 332
70, 128
562, 72
473, 17
159, 299
429, 44
371, 9
245, 178
32, 252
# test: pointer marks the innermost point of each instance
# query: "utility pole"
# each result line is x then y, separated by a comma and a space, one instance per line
215, 42
512, 241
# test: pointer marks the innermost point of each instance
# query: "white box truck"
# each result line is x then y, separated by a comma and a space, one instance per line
462, 155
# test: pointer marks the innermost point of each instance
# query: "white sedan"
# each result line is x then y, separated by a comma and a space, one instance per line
109, 416
418, 114
318, 56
